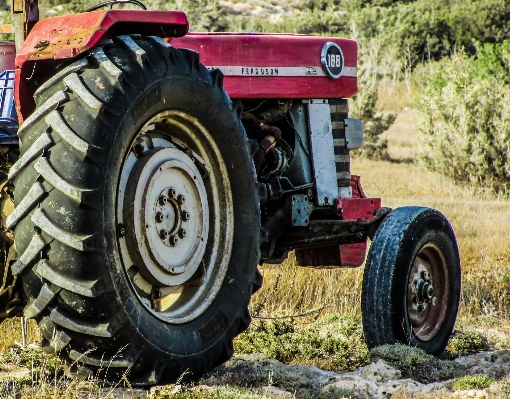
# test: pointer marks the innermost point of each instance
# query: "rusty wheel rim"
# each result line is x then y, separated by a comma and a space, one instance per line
428, 289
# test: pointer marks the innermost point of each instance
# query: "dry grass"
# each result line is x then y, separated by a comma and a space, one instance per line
10, 331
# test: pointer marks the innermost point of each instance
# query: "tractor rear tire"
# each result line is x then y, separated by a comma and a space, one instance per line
111, 129
412, 281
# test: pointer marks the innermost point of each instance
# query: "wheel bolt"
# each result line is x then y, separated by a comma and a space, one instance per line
186, 215
171, 192
163, 199
181, 198
420, 307
182, 233
426, 275
174, 240
159, 217
164, 234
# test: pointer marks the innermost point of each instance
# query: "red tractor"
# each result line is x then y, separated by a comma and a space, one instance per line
154, 169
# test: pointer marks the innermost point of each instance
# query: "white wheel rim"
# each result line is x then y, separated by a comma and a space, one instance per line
176, 250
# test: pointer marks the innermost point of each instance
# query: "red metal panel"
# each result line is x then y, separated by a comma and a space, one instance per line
77, 33
258, 55
56, 39
357, 208
346, 255
353, 255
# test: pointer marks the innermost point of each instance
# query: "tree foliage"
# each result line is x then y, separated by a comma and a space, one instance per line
465, 117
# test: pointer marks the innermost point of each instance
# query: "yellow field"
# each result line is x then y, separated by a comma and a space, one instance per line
480, 219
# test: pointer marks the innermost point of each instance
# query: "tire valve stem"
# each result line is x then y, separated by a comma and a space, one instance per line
121, 230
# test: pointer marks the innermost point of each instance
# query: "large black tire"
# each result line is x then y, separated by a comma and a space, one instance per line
66, 233
397, 305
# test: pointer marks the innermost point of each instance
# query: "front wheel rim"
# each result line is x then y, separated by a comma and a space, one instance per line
428, 292
175, 216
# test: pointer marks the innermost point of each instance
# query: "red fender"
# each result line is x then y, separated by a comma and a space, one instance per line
57, 39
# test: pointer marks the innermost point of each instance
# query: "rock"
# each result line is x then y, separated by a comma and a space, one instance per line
276, 393
470, 394
496, 364
273, 379
378, 372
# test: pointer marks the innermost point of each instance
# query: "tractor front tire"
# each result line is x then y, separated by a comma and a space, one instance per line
136, 217
412, 280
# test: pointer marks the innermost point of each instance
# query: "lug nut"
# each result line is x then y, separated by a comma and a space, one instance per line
174, 240
186, 215
182, 233
171, 192
159, 217
426, 275
181, 198
163, 199
420, 307
164, 234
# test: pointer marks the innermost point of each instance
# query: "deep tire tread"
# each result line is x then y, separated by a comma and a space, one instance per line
40, 231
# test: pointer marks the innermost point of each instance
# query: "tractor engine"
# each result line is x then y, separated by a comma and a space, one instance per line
295, 112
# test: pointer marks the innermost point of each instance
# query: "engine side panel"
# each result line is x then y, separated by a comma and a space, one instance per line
274, 65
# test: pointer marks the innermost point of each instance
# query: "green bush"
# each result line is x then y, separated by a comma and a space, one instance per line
480, 381
465, 341
465, 117
417, 364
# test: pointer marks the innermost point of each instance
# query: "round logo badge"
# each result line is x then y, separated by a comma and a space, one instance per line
332, 60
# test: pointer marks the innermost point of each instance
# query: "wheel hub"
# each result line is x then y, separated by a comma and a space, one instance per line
171, 217
166, 201
428, 287
424, 290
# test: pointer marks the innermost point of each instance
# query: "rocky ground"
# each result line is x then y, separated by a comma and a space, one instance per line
258, 376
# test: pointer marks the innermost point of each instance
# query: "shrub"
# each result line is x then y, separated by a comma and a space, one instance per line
480, 381
466, 341
416, 364
465, 118
333, 343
